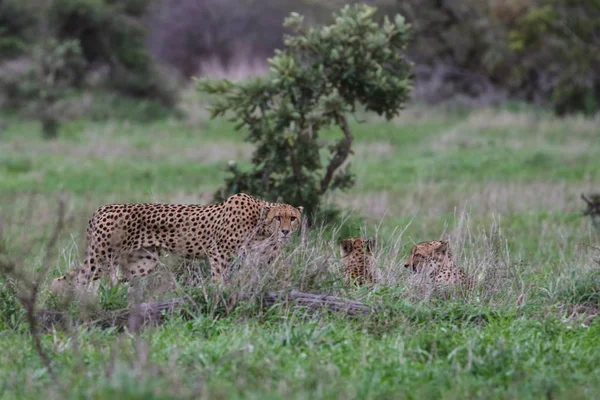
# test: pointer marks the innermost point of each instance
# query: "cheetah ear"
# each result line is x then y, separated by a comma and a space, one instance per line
371, 244
300, 208
346, 245
444, 245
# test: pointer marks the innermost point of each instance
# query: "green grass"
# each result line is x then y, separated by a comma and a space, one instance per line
503, 185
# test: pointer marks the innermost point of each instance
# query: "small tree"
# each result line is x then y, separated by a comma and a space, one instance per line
319, 77
48, 81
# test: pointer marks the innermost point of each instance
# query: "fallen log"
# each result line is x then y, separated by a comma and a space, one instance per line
317, 301
143, 314
151, 313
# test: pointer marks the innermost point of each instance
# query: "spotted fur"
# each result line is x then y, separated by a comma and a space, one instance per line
357, 258
438, 257
131, 236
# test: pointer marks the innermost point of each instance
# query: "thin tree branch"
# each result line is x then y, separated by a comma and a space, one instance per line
341, 154
30, 301
28, 295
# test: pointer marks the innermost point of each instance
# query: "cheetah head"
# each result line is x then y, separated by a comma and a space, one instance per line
423, 253
283, 220
356, 245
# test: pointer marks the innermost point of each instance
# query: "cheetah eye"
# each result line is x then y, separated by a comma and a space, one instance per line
278, 218
292, 219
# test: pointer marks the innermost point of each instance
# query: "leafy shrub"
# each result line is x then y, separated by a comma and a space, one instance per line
543, 51
47, 80
315, 81
16, 23
558, 42
113, 33
11, 312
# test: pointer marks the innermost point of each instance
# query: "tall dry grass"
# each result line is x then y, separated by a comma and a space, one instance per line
311, 261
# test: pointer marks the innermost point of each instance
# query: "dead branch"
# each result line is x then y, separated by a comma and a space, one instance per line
136, 317
317, 301
151, 313
145, 314
341, 153
588, 201
30, 301
28, 296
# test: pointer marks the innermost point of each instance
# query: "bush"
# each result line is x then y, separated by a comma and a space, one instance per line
543, 51
315, 81
11, 311
111, 35
558, 44
45, 83
16, 23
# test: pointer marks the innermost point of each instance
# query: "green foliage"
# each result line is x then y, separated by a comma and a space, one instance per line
11, 311
320, 76
112, 33
561, 39
112, 297
47, 80
582, 288
544, 51
16, 23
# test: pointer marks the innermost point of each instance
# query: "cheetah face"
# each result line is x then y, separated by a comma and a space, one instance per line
283, 220
357, 244
425, 252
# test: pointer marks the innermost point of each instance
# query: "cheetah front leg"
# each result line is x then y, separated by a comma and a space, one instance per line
91, 270
219, 264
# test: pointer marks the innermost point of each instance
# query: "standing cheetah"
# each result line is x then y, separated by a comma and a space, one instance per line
132, 235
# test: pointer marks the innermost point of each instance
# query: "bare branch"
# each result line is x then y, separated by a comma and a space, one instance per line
588, 201
295, 165
28, 296
341, 154
151, 313
29, 302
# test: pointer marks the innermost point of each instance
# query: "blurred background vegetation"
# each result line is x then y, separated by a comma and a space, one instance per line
465, 51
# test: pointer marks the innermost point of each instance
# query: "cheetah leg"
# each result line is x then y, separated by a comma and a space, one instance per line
140, 262
218, 266
91, 270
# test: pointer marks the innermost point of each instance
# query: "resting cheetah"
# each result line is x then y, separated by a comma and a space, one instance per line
438, 256
357, 258
132, 235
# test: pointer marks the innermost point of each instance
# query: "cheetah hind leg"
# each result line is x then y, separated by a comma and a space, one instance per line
138, 263
219, 268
